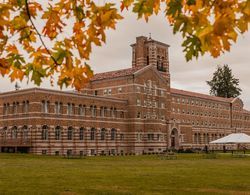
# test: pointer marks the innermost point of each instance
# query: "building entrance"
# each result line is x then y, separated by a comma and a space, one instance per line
174, 141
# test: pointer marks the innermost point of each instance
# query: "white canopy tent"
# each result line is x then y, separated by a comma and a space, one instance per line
234, 138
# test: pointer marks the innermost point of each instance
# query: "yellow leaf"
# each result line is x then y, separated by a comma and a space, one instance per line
233, 35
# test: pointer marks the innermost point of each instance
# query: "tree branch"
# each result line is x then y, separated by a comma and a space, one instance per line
38, 33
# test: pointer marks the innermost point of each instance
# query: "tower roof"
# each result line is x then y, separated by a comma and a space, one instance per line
116, 73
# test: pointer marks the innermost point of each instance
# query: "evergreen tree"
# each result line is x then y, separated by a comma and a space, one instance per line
223, 83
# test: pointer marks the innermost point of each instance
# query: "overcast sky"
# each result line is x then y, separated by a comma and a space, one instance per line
116, 54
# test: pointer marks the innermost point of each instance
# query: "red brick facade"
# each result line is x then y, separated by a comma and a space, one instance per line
131, 111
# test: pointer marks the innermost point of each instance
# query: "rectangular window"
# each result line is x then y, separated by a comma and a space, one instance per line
81, 134
5, 109
25, 106
158, 137
57, 108
70, 109
119, 90
121, 136
80, 108
150, 137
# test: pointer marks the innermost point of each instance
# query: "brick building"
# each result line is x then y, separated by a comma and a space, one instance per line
130, 111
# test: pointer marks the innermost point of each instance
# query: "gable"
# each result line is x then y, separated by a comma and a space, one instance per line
150, 74
237, 104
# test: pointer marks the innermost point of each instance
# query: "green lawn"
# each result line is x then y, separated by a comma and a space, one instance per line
189, 174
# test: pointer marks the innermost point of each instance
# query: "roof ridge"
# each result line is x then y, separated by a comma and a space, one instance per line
113, 71
116, 73
201, 95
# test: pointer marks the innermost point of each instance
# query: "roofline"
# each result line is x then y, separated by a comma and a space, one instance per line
227, 100
152, 40
115, 77
158, 42
44, 90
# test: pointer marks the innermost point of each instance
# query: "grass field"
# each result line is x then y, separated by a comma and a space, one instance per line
188, 174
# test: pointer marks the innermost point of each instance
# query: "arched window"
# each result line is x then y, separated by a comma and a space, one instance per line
70, 133
73, 109
45, 132
212, 136
101, 111
115, 113
25, 132
147, 60
199, 138
113, 134
95, 111
80, 110
25, 108
45, 106
92, 134
91, 110
81, 133
57, 105
162, 63
103, 132
7, 108
4, 109
111, 112
58, 133
14, 132
61, 108
195, 138
69, 109
84, 110
205, 138
158, 62
14, 107
5, 132
105, 111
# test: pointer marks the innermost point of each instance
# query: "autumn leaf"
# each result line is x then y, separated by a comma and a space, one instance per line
57, 37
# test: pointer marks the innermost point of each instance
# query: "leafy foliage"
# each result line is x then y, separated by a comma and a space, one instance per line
223, 83
72, 27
